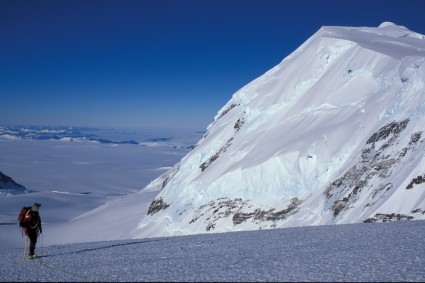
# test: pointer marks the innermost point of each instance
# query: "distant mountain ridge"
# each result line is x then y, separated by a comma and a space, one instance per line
331, 135
54, 133
64, 133
9, 187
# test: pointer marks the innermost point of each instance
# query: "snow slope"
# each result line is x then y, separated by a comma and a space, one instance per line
373, 252
333, 134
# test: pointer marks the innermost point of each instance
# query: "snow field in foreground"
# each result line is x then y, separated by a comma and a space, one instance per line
353, 252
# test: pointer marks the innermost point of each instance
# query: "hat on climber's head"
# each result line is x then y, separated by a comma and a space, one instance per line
35, 206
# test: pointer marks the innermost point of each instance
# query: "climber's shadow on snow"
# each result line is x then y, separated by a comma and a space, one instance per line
109, 246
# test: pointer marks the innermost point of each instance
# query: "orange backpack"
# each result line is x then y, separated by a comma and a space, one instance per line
21, 216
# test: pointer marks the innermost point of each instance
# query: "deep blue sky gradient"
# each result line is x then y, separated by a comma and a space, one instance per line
156, 63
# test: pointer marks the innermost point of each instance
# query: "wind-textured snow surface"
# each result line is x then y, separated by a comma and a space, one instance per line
379, 252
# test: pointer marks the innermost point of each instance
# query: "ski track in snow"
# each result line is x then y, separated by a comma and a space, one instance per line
352, 252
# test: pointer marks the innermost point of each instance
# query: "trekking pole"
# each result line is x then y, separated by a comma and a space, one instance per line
25, 247
41, 246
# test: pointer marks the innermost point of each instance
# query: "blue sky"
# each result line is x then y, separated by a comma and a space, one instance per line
157, 63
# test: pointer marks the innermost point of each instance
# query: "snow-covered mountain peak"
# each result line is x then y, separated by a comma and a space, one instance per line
332, 134
386, 24
385, 29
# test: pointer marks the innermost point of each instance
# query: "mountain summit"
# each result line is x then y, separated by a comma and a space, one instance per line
333, 134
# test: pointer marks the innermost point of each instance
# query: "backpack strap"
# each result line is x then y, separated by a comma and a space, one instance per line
29, 222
